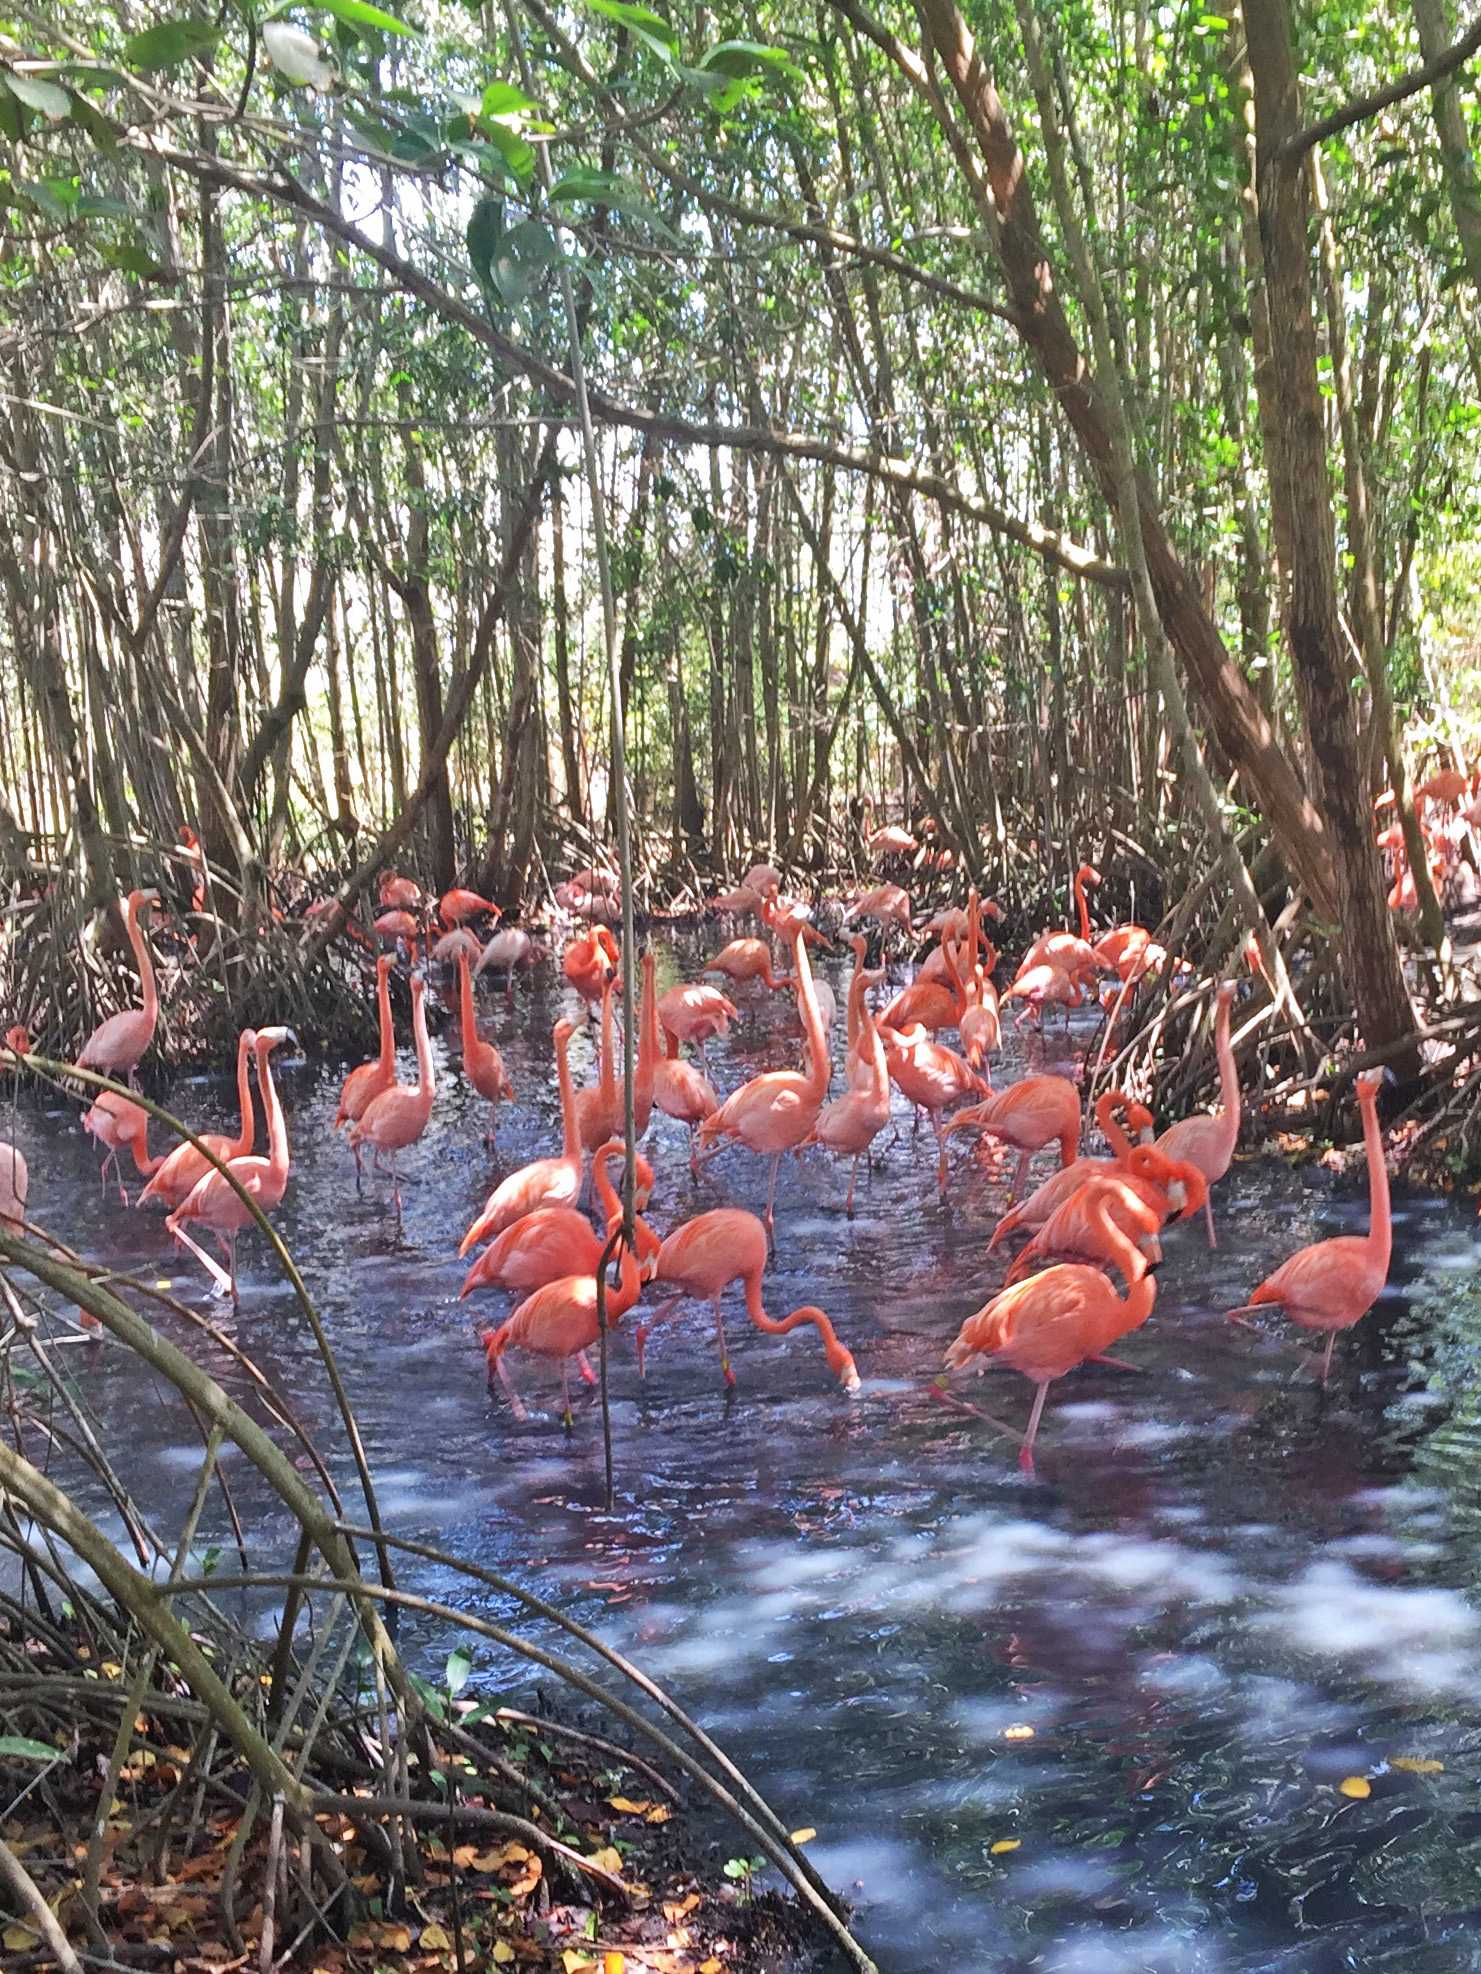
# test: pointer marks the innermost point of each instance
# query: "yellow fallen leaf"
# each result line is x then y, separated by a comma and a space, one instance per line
1019, 1731
613, 1963
573, 1961
657, 1813
1355, 1785
19, 1939
627, 1806
608, 1859
675, 1909
503, 1952
111, 1669
805, 1835
1004, 1845
711, 1966
432, 1939
395, 1939
1417, 1765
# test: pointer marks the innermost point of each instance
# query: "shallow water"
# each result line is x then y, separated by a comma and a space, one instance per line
1149, 1668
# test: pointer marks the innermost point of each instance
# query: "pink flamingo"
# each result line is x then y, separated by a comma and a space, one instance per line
364, 1084
849, 1125
748, 959
560, 1320
509, 949
590, 962
185, 1167
650, 1052
599, 1110
1072, 951
117, 1046
1134, 1199
682, 1092
773, 1113
1055, 1190
546, 1181
1028, 1115
213, 1203
482, 1063
1208, 1142
121, 1125
931, 1004
885, 903
888, 840
399, 1116
1048, 1326
1043, 986
932, 1077
695, 1012
1333, 1284
15, 1184
704, 1256
453, 907
558, 1240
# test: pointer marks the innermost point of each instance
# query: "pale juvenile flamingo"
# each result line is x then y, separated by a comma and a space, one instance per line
1332, 1284
214, 1204
885, 903
765, 880
684, 1093
117, 1046
15, 1184
738, 903
695, 1011
590, 962
545, 1181
482, 1063
1036, 1209
511, 948
599, 1109
747, 959
774, 1112
558, 1240
1044, 986
1049, 1325
849, 1125
1034, 1112
932, 1077
560, 1320
1070, 950
1208, 1142
185, 1167
458, 944
399, 1116
888, 840
703, 1257
121, 1125
364, 1084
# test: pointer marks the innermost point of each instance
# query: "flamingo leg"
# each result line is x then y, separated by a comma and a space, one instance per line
359, 1167
516, 1403
1208, 1221
583, 1365
567, 1418
1327, 1355
1119, 1363
1026, 1457
853, 1180
1019, 1176
213, 1268
724, 1351
940, 1152
944, 1397
640, 1335
776, 1159
693, 1154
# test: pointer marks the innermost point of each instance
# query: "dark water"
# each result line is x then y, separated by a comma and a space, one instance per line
1225, 1592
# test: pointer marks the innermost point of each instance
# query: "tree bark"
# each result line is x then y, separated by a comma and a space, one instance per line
1432, 19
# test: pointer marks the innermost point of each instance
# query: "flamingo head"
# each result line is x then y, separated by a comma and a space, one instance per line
18, 1041
564, 1030
1088, 874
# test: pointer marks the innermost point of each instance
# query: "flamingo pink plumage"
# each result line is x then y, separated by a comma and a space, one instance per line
118, 1045
213, 1203
185, 1167
1208, 1142
545, 1181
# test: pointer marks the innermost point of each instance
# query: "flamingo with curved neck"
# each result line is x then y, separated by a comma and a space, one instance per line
545, 1181
366, 1083
213, 1203
399, 1116
561, 1321
1062, 1185
1204, 1141
120, 1125
558, 1240
117, 1046
599, 1110
185, 1167
482, 1063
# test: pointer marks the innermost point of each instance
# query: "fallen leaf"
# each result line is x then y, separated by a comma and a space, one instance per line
432, 1939
608, 1859
804, 1835
1004, 1845
627, 1806
674, 1909
658, 1813
572, 1961
1417, 1765
19, 1939
1355, 1785
395, 1939
711, 1966
503, 1953
613, 1963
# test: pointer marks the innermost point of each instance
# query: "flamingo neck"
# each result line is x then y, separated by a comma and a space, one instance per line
465, 1007
605, 1191
1228, 1071
1139, 1301
1111, 1127
248, 1133
1082, 907
277, 1129
387, 1059
145, 963
649, 1047
607, 1075
1380, 1223
426, 1076
570, 1125
812, 1021
622, 1298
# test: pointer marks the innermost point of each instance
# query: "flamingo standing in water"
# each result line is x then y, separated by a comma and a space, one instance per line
1028, 1115
599, 1110
545, 1181
590, 962
213, 1203
703, 1257
1208, 1142
933, 1004
748, 959
932, 1077
482, 1063
117, 1046
1053, 1193
121, 1125
684, 1093
185, 1167
560, 1320
1116, 1215
885, 903
363, 1085
398, 1116
511, 948
849, 1125
15, 1184
1333, 1284
774, 1112
1071, 951
558, 1240
695, 1011
1048, 1326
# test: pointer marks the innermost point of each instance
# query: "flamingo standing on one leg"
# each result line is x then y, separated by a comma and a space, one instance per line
1332, 1284
185, 1167
482, 1063
1028, 1115
1049, 1325
398, 1116
560, 1320
545, 1181
704, 1256
121, 1125
214, 1203
1208, 1142
117, 1046
774, 1112
364, 1084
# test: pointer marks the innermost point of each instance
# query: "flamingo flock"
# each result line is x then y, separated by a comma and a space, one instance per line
1094, 1218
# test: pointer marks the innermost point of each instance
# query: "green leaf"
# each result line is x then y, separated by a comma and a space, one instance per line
17, 1748
55, 198
742, 58
485, 231
650, 28
162, 47
360, 13
459, 1665
501, 100
605, 188
38, 94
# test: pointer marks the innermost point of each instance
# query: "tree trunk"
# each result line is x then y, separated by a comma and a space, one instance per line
1432, 18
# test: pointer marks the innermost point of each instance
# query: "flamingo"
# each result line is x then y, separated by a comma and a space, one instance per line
1070, 950
558, 1240
482, 1063
1333, 1284
399, 924
932, 1004
117, 1046
546, 1181
1028, 1115
398, 1116
458, 944
932, 1077
1042, 986
684, 1093
213, 1203
774, 1112
560, 1320
185, 1167
1125, 1203
121, 1126
765, 880
1049, 1325
888, 840
590, 962
364, 1084
1208, 1142
747, 959
508, 949
599, 1110
734, 904
887, 904
15, 1184
650, 1051
695, 1011
1053, 1193
703, 1257
454, 906
402, 893
851, 1123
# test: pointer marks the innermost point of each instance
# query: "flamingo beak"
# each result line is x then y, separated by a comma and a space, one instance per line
1177, 1195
